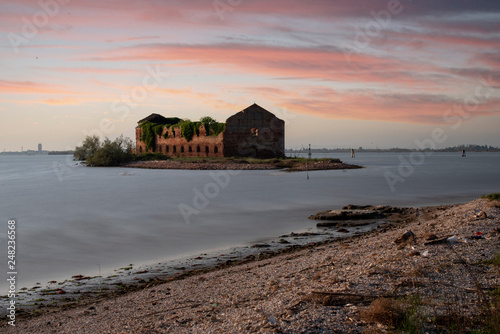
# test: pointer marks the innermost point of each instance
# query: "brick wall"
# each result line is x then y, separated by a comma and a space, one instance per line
253, 132
176, 146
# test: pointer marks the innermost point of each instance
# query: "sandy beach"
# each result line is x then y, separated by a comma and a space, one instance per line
439, 275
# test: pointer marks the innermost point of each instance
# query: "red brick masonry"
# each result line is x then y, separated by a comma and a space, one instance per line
252, 132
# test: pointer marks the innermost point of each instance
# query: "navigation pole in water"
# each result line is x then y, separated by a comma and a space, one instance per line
307, 161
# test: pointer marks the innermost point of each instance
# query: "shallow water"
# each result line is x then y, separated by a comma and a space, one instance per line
78, 220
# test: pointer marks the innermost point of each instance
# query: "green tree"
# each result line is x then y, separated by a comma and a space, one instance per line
212, 127
107, 153
209, 123
89, 147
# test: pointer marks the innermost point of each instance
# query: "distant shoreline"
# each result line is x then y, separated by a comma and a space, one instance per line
395, 150
467, 148
43, 153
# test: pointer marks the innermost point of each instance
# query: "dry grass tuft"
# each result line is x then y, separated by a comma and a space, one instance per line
384, 311
493, 204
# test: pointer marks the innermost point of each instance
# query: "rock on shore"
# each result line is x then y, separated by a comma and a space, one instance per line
333, 287
356, 215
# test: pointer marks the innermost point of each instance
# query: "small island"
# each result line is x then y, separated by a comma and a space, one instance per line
252, 139
152, 161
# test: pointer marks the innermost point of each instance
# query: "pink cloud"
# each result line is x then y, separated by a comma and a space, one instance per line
28, 87
489, 59
443, 39
60, 102
369, 105
398, 77
86, 70
280, 62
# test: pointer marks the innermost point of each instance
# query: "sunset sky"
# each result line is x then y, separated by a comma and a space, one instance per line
340, 73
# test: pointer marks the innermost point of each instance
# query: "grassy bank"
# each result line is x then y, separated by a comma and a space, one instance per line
161, 161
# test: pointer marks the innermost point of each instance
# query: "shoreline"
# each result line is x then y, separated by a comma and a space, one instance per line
289, 289
83, 289
242, 164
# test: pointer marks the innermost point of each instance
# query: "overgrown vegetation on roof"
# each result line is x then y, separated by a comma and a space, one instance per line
148, 135
151, 130
212, 127
189, 129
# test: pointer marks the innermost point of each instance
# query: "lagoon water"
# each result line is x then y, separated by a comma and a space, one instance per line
78, 220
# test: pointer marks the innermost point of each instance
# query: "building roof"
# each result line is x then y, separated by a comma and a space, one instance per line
254, 107
251, 110
159, 119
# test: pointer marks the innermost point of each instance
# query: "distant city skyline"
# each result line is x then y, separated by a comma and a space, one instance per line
370, 73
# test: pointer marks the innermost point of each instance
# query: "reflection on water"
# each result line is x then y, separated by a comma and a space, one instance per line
111, 217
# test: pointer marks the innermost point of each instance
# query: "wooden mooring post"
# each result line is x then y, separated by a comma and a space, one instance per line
307, 162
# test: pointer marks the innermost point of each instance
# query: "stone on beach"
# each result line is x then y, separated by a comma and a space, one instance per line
407, 236
347, 215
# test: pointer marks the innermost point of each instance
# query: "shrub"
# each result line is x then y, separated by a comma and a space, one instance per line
219, 128
492, 197
107, 153
492, 324
495, 261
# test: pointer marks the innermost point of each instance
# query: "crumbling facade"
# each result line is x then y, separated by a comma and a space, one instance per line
252, 132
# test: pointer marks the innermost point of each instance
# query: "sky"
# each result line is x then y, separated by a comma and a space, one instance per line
340, 73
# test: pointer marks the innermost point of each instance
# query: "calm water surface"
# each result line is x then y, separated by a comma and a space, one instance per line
71, 220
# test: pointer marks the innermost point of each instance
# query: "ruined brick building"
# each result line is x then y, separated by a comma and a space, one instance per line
252, 132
